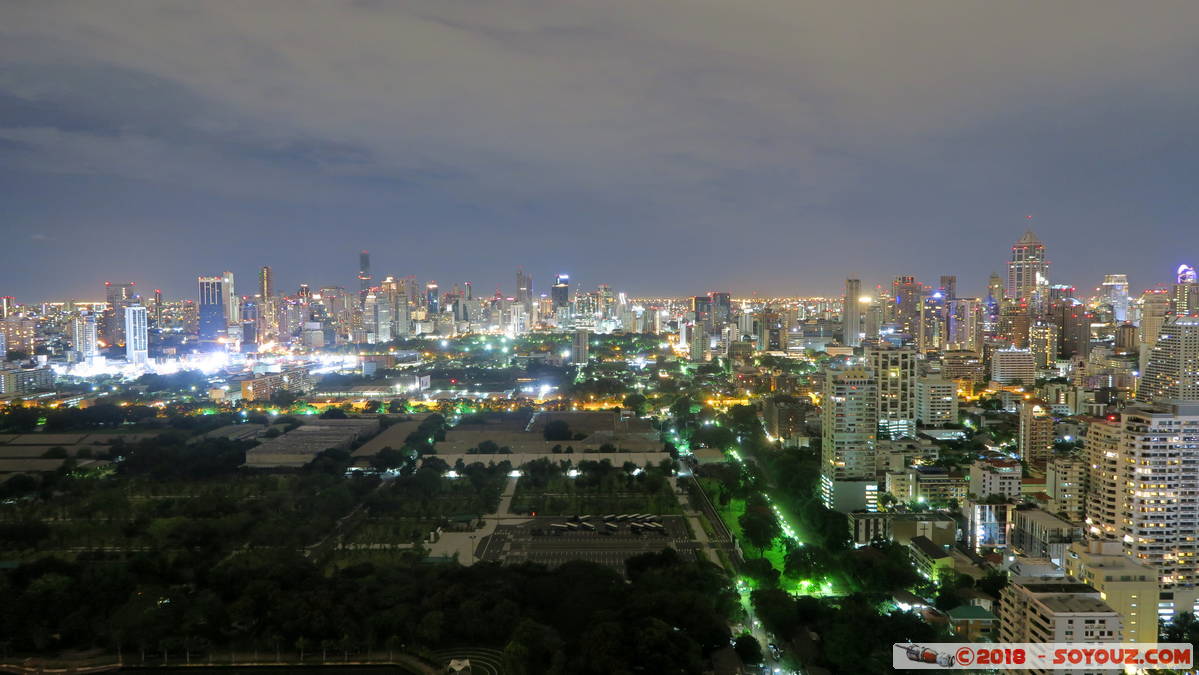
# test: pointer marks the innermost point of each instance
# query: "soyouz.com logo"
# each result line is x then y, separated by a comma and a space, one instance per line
1052, 656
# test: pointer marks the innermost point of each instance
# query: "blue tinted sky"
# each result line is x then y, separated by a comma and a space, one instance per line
656, 145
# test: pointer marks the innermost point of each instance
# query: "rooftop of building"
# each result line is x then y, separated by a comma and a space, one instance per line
1073, 604
928, 548
970, 613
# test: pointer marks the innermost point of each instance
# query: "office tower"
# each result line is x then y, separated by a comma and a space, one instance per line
232, 302
949, 286
432, 301
1028, 273
1126, 339
1051, 609
580, 348
266, 282
1184, 297
995, 478
403, 316
1115, 293
721, 303
1172, 369
965, 324
934, 323
1013, 366
249, 331
894, 371
118, 296
1155, 307
3, 341
364, 276
524, 289
701, 310
1043, 342
1014, 322
963, 365
83, 337
158, 307
936, 401
851, 313
907, 294
8, 306
304, 293
1035, 433
1143, 477
268, 311
849, 423
211, 305
1130, 588
560, 291
137, 341
699, 344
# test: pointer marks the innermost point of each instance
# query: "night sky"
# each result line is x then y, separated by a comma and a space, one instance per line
660, 146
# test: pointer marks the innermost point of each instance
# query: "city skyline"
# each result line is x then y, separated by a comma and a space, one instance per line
747, 148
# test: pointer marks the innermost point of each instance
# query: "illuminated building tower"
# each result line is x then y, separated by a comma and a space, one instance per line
965, 324
1043, 341
849, 412
560, 291
580, 348
936, 401
1155, 307
158, 308
875, 310
1130, 588
84, 336
700, 345
1074, 328
701, 309
213, 324
1053, 609
1185, 297
993, 304
851, 313
949, 286
232, 302
1014, 322
8, 305
1028, 273
524, 289
1172, 370
1035, 439
118, 297
894, 372
3, 341
249, 330
403, 316
304, 293
1115, 293
721, 303
934, 323
1143, 477
1126, 339
907, 294
137, 342
1013, 366
364, 276
432, 301
268, 311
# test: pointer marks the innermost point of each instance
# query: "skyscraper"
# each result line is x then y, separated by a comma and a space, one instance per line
364, 276
907, 294
211, 307
1172, 370
524, 289
137, 342
84, 336
1115, 293
894, 372
118, 297
1184, 300
1028, 273
432, 299
849, 440
580, 348
851, 313
232, 302
560, 292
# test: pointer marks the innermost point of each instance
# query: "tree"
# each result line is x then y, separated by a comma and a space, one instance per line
748, 649
397, 405
284, 399
760, 527
334, 414
760, 570
373, 406
637, 403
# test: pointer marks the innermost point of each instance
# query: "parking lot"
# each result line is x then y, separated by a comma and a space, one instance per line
536, 541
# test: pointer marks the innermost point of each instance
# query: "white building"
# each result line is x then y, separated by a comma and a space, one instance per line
936, 401
137, 341
1172, 369
895, 377
1048, 609
1013, 366
1000, 478
849, 421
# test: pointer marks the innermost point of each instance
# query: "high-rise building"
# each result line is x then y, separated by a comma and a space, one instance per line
894, 370
721, 303
700, 344
965, 324
364, 276
1172, 369
1028, 273
8, 306
560, 291
211, 305
232, 302
907, 294
936, 401
1013, 366
933, 332
158, 307
1043, 342
851, 313
701, 310
432, 298
118, 296
1144, 473
1115, 293
1184, 300
84, 334
949, 286
524, 289
137, 341
1065, 483
1035, 436
849, 430
580, 348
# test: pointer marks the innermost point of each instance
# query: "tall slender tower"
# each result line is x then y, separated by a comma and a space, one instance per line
1028, 273
851, 313
364, 276
137, 344
1172, 371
